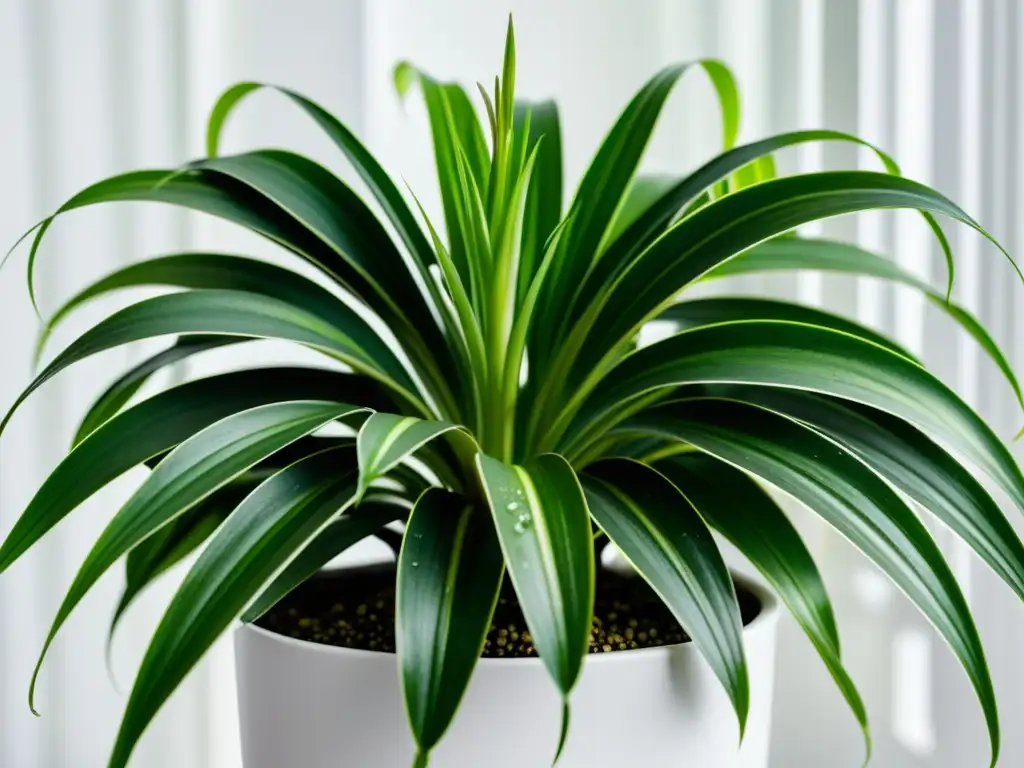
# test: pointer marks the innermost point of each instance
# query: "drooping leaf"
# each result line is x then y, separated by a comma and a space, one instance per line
156, 425
915, 465
544, 528
789, 355
740, 510
691, 194
661, 533
828, 255
710, 311
846, 493
259, 538
721, 230
118, 394
449, 575
154, 556
241, 314
195, 469
370, 171
367, 520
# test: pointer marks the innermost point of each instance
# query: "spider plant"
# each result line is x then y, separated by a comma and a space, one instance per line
497, 403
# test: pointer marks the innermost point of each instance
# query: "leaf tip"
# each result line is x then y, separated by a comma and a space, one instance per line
564, 735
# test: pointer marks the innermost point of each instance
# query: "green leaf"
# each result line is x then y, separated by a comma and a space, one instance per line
915, 465
793, 356
721, 230
740, 510
218, 271
324, 547
452, 122
154, 556
644, 193
258, 539
201, 192
329, 208
195, 469
368, 263
849, 496
241, 314
604, 185
449, 575
544, 528
385, 440
373, 175
118, 394
828, 255
158, 424
660, 532
544, 199
711, 311
692, 193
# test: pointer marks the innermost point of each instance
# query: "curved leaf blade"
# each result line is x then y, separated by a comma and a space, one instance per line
788, 355
847, 494
334, 539
543, 525
740, 510
190, 473
254, 542
829, 256
118, 394
725, 309
915, 465
203, 270
232, 313
449, 575
156, 425
386, 439
659, 531
726, 227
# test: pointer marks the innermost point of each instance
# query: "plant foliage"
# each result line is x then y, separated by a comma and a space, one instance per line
511, 372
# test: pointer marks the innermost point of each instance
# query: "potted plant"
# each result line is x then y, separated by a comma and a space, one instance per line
494, 402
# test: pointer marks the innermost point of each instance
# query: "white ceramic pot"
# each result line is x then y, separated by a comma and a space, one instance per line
305, 705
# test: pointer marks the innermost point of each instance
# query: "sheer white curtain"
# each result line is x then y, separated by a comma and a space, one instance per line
98, 86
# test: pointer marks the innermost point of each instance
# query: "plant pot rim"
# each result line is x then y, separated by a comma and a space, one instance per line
765, 619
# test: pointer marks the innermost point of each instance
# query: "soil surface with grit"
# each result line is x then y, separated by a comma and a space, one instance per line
356, 610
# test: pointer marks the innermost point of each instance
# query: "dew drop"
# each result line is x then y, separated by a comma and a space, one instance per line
523, 522
512, 506
415, 564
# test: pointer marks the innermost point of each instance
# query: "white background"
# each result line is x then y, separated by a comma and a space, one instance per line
92, 87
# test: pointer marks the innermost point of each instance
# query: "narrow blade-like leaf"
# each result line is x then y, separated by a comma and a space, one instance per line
192, 471
789, 355
660, 532
263, 533
740, 510
235, 313
787, 254
544, 527
449, 575
849, 496
914, 464
324, 547
725, 309
385, 440
156, 425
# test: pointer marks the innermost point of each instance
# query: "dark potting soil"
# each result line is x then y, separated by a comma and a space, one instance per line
355, 609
